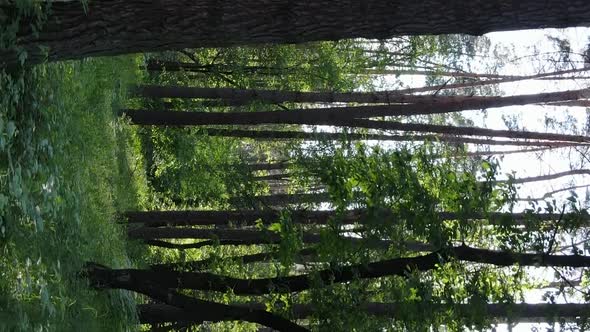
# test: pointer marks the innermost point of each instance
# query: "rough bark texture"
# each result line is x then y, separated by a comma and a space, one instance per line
541, 76
249, 217
548, 176
251, 237
551, 193
328, 117
420, 104
103, 277
111, 27
326, 136
390, 267
320, 136
518, 312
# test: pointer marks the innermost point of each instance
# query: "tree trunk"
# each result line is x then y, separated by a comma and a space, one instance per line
572, 103
112, 27
251, 237
327, 136
513, 313
489, 82
546, 177
249, 217
328, 117
551, 193
391, 267
174, 66
271, 177
504, 152
420, 104
103, 277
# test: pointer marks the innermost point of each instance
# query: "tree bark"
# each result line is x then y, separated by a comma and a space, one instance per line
249, 217
546, 177
390, 267
467, 131
271, 177
572, 103
175, 66
551, 193
514, 313
112, 27
488, 82
505, 152
420, 104
327, 136
250, 237
329, 117
103, 277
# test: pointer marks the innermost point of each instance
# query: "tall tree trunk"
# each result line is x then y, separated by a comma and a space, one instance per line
468, 131
250, 217
513, 313
572, 103
399, 72
551, 193
250, 237
103, 277
327, 136
271, 177
329, 117
111, 27
175, 66
420, 104
390, 267
547, 177
504, 152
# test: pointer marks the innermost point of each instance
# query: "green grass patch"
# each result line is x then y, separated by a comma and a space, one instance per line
68, 165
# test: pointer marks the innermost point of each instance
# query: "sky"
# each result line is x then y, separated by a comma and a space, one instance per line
532, 118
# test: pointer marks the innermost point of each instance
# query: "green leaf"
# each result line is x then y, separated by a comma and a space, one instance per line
275, 227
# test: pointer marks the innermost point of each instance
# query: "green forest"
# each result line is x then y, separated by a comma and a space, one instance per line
291, 165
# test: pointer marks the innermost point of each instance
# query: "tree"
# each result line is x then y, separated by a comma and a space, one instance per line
514, 313
102, 277
177, 25
391, 267
420, 104
329, 136
332, 117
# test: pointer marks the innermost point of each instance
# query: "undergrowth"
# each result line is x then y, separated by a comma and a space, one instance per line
67, 166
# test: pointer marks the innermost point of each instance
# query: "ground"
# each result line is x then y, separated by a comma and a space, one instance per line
68, 166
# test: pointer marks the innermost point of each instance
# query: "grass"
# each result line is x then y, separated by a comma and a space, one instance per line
68, 165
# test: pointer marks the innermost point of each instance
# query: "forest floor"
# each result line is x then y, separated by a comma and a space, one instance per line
68, 165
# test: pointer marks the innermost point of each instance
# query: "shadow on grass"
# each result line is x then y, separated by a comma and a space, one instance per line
67, 166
